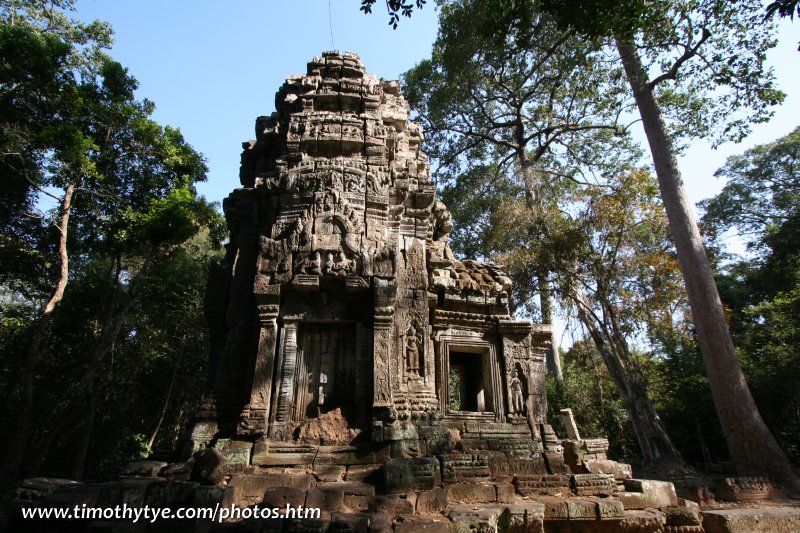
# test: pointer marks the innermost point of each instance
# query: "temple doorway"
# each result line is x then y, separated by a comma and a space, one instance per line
332, 371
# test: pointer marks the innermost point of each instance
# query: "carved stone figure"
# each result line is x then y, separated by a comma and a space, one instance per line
412, 351
517, 394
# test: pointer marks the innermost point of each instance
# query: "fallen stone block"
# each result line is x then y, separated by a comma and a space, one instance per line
143, 469
620, 471
210, 467
657, 493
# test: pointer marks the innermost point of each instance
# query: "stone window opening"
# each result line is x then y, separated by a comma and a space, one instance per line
468, 389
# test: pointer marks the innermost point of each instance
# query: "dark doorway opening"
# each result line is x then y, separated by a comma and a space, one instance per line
466, 382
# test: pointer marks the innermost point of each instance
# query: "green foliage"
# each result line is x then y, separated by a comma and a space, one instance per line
706, 58
761, 204
589, 391
140, 242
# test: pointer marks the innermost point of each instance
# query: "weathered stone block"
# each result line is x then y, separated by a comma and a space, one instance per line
327, 499
367, 473
178, 471
609, 508
650, 521
344, 455
392, 505
210, 495
320, 524
658, 493
633, 500
501, 466
465, 467
555, 508
406, 474
525, 517
379, 523
593, 484
281, 496
350, 487
349, 523
742, 489
431, 501
355, 502
681, 516
253, 485
581, 509
553, 485
505, 492
620, 471
170, 494
467, 519
130, 491
210, 467
471, 493
329, 472
143, 468
39, 488
423, 524
765, 519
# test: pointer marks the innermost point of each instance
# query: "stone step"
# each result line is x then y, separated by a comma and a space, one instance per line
752, 520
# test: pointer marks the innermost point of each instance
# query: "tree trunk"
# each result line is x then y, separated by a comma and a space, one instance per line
629, 379
167, 399
533, 200
85, 388
21, 436
84, 439
553, 356
750, 443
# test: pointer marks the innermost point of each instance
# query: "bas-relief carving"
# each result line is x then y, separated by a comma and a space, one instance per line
349, 243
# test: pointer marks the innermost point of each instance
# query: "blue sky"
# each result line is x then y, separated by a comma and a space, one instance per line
213, 67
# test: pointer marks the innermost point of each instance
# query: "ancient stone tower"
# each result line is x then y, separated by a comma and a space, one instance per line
340, 298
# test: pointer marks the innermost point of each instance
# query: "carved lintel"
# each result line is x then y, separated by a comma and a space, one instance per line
305, 282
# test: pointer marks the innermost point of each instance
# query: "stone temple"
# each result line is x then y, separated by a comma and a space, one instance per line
358, 367
360, 370
341, 317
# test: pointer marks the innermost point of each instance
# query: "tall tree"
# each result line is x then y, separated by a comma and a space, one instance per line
70, 121
689, 46
51, 66
611, 257
514, 94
